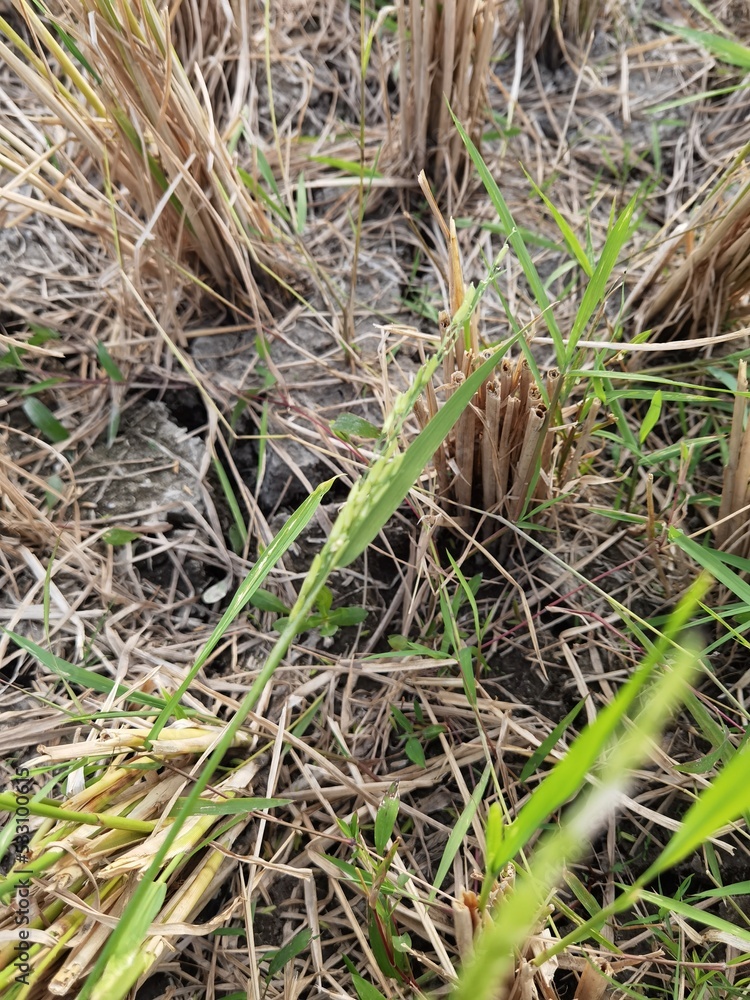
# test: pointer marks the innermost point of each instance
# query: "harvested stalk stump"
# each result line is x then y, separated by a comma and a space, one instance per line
490, 460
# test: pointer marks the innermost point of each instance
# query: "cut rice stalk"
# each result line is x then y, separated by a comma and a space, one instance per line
137, 791
444, 56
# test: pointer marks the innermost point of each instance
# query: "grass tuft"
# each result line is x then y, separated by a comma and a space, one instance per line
173, 197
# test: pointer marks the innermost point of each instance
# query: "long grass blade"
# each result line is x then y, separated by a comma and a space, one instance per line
569, 775
519, 913
516, 241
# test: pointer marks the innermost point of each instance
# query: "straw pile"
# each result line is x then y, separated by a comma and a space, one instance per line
86, 854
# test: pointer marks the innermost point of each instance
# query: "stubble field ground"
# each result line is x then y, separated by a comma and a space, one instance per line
220, 270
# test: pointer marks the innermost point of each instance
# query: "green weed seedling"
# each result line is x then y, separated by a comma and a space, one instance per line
385, 819
349, 425
326, 619
444, 631
44, 420
280, 957
13, 357
416, 734
448, 641
447, 636
371, 874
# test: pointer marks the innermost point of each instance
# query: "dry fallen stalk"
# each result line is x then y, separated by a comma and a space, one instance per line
732, 523
89, 870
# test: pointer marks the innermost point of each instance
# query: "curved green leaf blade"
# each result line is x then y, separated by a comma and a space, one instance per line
44, 420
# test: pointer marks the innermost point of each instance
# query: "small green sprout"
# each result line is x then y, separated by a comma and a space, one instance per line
326, 619
417, 733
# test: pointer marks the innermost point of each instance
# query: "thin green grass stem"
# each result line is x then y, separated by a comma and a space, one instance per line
8, 803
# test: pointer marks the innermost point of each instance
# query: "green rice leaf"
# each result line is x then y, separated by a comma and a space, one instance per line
726, 50
55, 490
698, 915
466, 667
348, 425
706, 763
713, 562
385, 818
232, 502
520, 911
271, 200
415, 752
108, 364
515, 239
264, 600
569, 774
290, 950
459, 830
266, 561
237, 807
44, 420
128, 957
265, 169
596, 290
348, 167
365, 990
42, 334
301, 204
571, 240
86, 679
378, 495
494, 832
735, 889
582, 894
39, 387
725, 800
552, 740
706, 13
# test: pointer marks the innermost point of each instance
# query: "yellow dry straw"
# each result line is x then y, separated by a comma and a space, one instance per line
112, 849
737, 472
